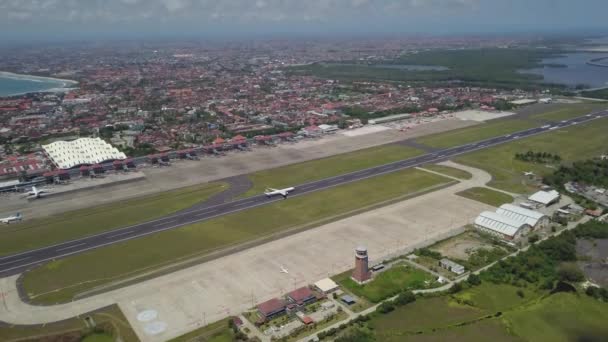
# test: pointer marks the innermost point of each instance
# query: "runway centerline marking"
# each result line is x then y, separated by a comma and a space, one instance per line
72, 246
14, 261
119, 234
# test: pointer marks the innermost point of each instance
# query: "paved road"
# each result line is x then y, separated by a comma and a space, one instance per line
17, 263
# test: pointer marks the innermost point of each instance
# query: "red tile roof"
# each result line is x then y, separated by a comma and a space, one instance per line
271, 306
300, 295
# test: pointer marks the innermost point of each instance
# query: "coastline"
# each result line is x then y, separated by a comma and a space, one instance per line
59, 84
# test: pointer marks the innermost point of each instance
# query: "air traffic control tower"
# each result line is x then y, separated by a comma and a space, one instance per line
361, 274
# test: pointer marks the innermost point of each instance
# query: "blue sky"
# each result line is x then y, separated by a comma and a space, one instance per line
41, 19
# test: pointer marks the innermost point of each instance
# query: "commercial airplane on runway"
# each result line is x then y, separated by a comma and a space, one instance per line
284, 270
36, 193
14, 218
283, 192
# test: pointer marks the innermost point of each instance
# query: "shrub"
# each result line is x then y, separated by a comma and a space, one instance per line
473, 279
533, 238
405, 298
457, 287
570, 272
386, 307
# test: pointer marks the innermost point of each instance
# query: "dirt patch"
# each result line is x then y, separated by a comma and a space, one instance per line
461, 246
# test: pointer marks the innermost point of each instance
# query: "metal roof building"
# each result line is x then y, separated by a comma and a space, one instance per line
83, 151
545, 197
530, 217
500, 225
326, 285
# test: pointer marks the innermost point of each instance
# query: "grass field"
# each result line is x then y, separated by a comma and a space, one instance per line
487, 330
386, 284
98, 337
215, 332
496, 297
487, 196
60, 280
449, 171
573, 143
300, 173
425, 314
110, 317
497, 313
505, 126
75, 224
561, 317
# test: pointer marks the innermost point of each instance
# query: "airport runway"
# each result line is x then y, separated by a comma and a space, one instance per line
17, 263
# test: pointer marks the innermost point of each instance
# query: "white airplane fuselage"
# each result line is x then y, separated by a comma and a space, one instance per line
14, 218
275, 192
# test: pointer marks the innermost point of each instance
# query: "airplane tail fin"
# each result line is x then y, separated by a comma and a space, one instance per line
18, 215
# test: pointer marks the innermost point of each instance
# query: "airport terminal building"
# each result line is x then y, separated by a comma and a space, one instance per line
83, 151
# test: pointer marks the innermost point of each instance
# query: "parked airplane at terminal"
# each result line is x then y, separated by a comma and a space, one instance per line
14, 218
36, 193
283, 192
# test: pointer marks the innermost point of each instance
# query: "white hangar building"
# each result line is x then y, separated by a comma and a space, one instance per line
533, 218
501, 226
83, 151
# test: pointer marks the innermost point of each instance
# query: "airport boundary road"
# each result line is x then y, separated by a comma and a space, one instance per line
18, 263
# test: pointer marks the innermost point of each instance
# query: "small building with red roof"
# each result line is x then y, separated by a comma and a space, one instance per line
301, 296
272, 308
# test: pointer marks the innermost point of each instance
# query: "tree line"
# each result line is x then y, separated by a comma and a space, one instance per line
538, 157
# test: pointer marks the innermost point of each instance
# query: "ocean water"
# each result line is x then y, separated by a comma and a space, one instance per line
576, 71
12, 86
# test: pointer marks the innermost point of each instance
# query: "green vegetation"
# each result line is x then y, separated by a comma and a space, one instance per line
308, 330
448, 171
538, 157
482, 257
220, 331
478, 67
475, 133
425, 314
98, 337
62, 279
79, 223
505, 126
110, 324
309, 171
487, 196
388, 283
561, 317
590, 172
581, 142
516, 299
596, 94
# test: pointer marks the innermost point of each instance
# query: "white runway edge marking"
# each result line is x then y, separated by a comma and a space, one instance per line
119, 234
14, 261
72, 246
